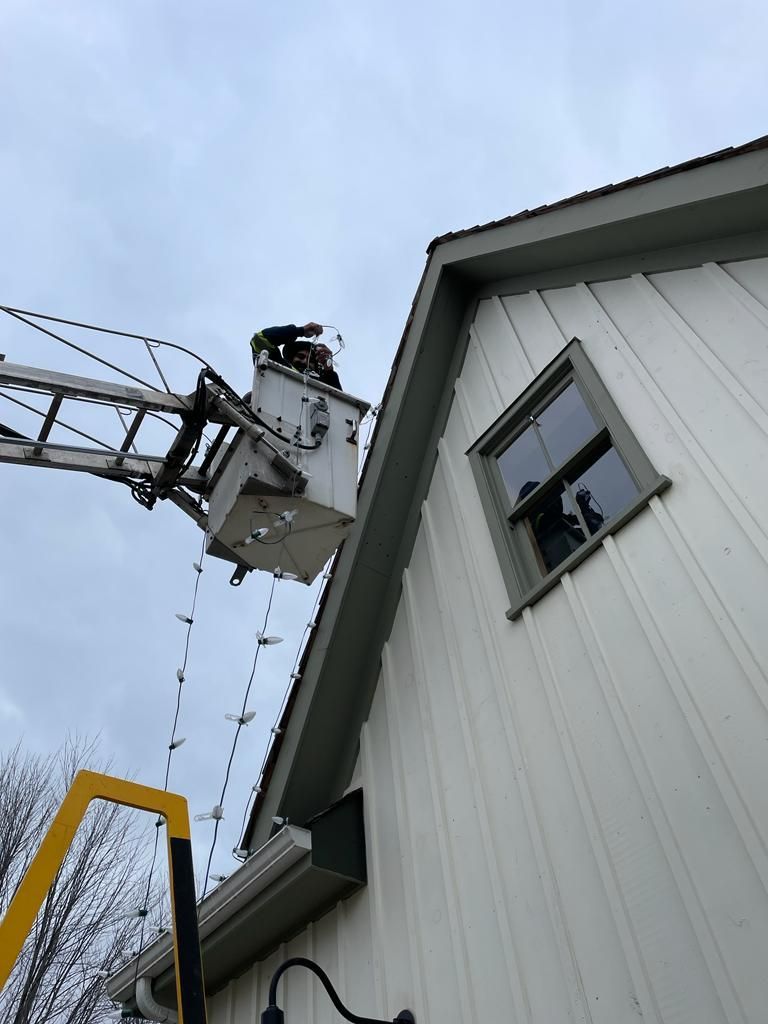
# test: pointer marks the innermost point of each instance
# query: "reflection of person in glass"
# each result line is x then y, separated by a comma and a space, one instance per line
557, 532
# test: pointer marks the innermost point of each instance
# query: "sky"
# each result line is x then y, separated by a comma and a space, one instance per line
196, 171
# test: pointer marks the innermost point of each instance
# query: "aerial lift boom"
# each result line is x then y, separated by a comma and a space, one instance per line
275, 487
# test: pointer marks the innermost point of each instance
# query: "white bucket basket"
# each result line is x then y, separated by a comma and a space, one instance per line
307, 514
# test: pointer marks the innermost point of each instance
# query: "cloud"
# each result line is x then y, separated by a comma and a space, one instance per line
195, 171
9, 710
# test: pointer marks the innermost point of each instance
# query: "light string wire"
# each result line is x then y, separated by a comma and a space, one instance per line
372, 413
294, 679
240, 724
144, 909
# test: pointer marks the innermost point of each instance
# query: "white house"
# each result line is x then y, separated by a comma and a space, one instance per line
525, 766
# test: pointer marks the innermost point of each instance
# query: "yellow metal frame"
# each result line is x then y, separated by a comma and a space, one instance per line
40, 874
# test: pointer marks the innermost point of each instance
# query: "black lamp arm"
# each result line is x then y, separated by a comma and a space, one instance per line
271, 1013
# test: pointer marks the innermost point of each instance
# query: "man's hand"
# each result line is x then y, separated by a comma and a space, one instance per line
311, 330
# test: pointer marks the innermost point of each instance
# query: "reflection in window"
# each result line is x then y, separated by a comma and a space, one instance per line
524, 460
603, 489
555, 433
565, 424
576, 507
554, 528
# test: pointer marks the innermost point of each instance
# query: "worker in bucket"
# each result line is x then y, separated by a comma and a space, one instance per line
300, 355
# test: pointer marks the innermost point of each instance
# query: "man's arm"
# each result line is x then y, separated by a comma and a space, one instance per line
270, 338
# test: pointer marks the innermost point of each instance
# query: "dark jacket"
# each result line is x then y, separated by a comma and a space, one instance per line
270, 339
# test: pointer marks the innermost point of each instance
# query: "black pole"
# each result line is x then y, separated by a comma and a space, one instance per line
274, 1015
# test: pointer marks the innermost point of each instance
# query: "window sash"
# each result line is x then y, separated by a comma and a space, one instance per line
519, 558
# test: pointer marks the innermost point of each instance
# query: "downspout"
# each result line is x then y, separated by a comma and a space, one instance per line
148, 1005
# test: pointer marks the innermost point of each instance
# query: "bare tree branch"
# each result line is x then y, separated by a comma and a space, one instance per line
78, 933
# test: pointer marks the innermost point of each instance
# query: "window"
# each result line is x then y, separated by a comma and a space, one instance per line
557, 472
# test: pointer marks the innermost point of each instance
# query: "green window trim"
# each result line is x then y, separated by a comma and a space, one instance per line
524, 574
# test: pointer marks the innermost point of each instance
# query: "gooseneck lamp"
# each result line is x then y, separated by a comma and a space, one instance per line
274, 1015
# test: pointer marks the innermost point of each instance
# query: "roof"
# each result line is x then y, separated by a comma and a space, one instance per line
604, 190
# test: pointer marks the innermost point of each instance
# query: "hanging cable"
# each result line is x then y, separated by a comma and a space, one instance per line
173, 745
292, 681
373, 413
217, 813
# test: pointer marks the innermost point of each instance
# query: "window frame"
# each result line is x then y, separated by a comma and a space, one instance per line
514, 548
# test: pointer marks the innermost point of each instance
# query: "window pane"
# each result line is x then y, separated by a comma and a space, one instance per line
523, 463
565, 424
603, 490
553, 529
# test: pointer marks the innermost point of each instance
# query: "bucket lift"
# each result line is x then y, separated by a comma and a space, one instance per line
275, 488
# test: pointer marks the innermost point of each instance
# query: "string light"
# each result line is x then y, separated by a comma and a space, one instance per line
254, 535
373, 413
243, 719
175, 742
129, 915
263, 640
267, 641
216, 814
219, 878
295, 676
284, 575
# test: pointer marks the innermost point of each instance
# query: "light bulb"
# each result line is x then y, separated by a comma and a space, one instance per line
279, 574
275, 730
244, 719
219, 878
256, 535
266, 641
131, 914
197, 567
184, 618
177, 743
215, 814
179, 675
295, 675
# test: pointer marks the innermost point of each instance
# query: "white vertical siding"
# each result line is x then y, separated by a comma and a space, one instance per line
567, 815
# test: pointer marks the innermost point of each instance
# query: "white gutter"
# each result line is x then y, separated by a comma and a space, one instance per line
149, 1006
266, 865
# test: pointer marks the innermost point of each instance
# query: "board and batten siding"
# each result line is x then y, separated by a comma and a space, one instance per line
567, 815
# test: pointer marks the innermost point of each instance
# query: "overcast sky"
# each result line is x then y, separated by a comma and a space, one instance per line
196, 170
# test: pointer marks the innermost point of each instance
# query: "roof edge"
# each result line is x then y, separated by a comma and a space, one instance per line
604, 190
